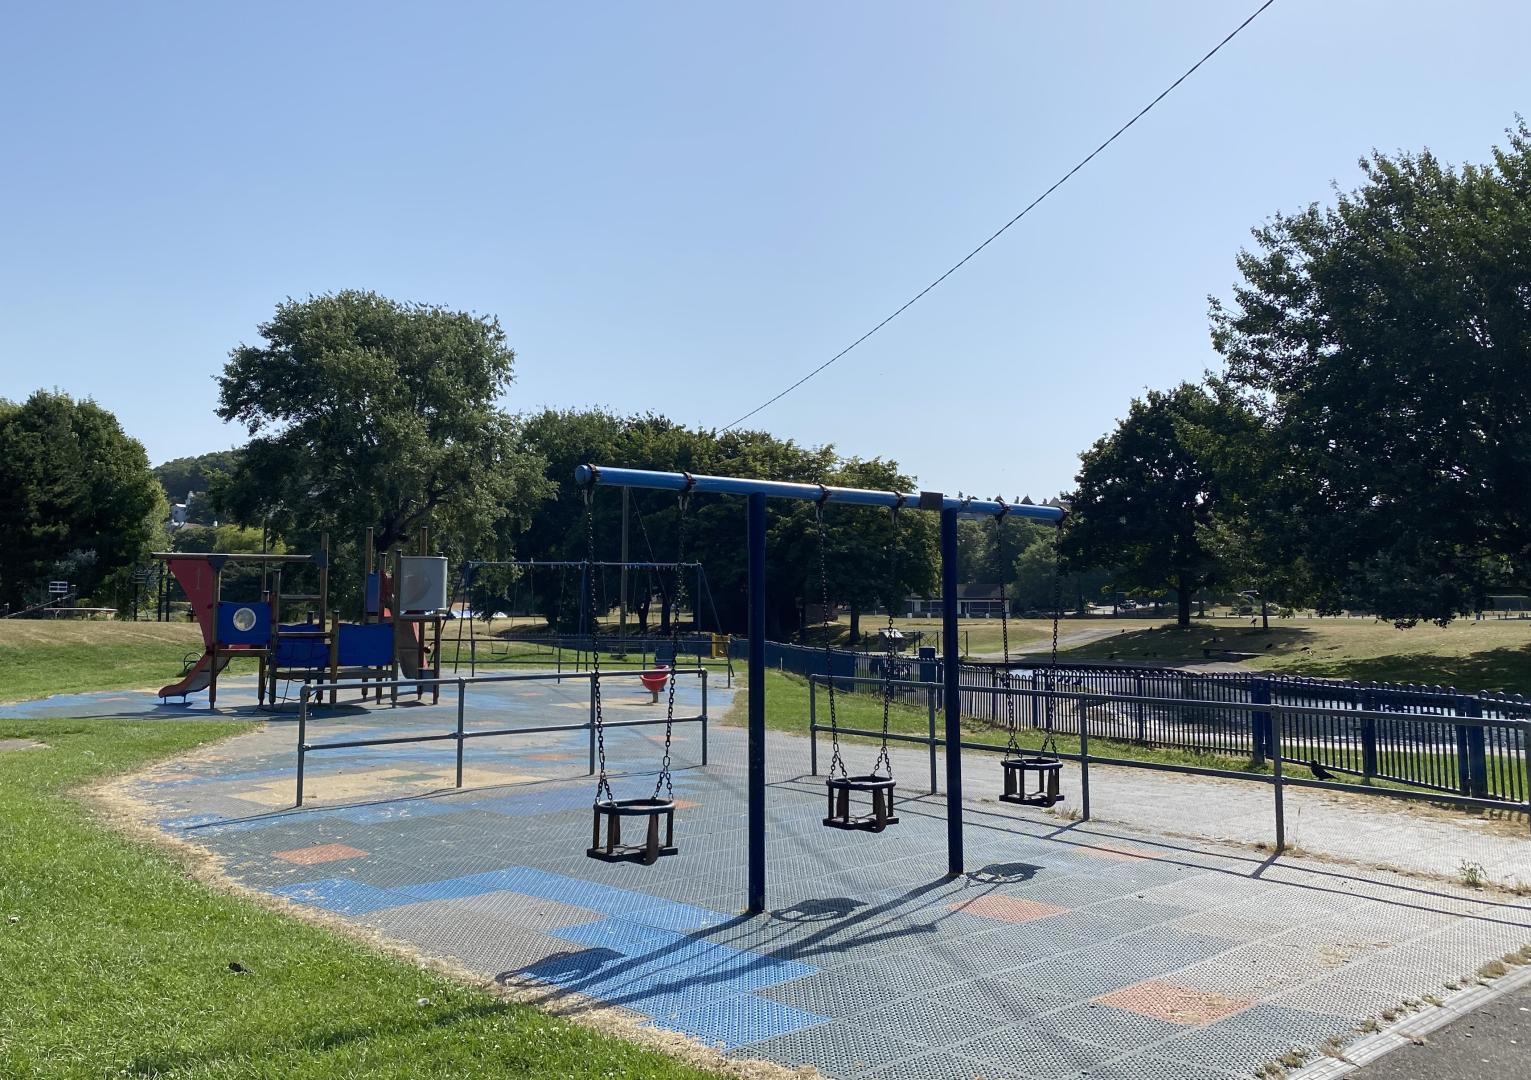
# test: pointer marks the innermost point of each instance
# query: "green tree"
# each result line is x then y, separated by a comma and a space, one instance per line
862, 566
1386, 342
1148, 494
192, 478
367, 412
77, 499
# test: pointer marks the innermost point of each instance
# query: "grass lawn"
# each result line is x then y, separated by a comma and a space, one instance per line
113, 962
39, 657
976, 636
1494, 654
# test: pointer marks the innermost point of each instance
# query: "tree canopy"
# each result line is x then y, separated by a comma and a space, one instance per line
367, 412
1385, 342
1148, 493
77, 499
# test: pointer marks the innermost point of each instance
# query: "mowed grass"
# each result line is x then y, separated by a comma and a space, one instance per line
1494, 654
113, 962
39, 657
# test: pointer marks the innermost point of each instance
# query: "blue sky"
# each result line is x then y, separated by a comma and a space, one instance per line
681, 207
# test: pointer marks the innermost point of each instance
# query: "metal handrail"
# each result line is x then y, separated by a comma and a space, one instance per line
461, 734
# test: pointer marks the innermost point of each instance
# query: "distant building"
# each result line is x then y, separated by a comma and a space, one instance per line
975, 601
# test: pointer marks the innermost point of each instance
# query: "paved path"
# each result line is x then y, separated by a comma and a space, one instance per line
1491, 1043
1131, 949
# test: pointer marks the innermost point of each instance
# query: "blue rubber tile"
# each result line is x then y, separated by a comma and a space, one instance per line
342, 896
458, 887
732, 1022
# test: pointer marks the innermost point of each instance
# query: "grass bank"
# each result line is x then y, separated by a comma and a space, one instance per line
114, 963
39, 657
1494, 654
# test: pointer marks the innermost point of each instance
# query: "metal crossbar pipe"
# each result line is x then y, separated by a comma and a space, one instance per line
233, 557
471, 733
567, 564
474, 680
587, 475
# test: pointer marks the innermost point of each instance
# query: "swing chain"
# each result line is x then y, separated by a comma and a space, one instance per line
1013, 748
677, 593
1049, 744
603, 783
884, 763
836, 762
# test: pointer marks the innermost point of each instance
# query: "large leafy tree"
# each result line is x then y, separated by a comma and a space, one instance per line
868, 561
369, 412
1386, 341
1148, 493
77, 499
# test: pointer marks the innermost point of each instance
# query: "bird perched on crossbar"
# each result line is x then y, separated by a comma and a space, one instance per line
1319, 772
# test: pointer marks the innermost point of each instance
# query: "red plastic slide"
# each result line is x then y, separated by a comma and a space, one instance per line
198, 678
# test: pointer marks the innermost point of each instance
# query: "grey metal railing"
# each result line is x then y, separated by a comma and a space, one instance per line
460, 734
1277, 719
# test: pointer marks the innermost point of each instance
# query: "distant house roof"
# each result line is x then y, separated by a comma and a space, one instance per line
975, 591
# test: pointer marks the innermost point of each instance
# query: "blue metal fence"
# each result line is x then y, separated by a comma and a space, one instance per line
1424, 747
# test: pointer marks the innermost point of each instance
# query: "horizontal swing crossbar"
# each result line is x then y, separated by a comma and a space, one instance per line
589, 475
233, 557
572, 564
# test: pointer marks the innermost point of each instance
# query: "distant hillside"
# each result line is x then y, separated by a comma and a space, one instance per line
184, 474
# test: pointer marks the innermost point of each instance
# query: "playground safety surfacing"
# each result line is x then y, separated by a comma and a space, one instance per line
1068, 950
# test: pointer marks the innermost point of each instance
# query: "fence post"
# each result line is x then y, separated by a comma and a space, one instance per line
1139, 710
302, 739
930, 704
462, 693
1477, 752
704, 711
1368, 736
1261, 730
1084, 761
813, 727
1275, 741
592, 723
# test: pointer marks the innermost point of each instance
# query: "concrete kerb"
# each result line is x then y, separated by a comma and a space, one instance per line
1412, 1029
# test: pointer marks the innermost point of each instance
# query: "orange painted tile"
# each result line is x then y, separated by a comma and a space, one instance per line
1007, 909
1176, 1004
685, 804
308, 856
552, 757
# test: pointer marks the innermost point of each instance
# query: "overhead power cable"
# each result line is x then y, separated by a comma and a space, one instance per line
1118, 133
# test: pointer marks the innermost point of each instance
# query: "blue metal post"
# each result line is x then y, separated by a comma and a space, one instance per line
757, 732
953, 679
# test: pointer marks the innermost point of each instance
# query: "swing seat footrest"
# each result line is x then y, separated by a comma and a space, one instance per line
1032, 800
879, 787
658, 835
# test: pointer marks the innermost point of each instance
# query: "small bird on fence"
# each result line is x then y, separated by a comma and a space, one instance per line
1319, 771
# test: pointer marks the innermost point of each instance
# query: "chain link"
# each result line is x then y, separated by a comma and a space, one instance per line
603, 783
890, 655
1049, 744
664, 780
836, 762
1013, 748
